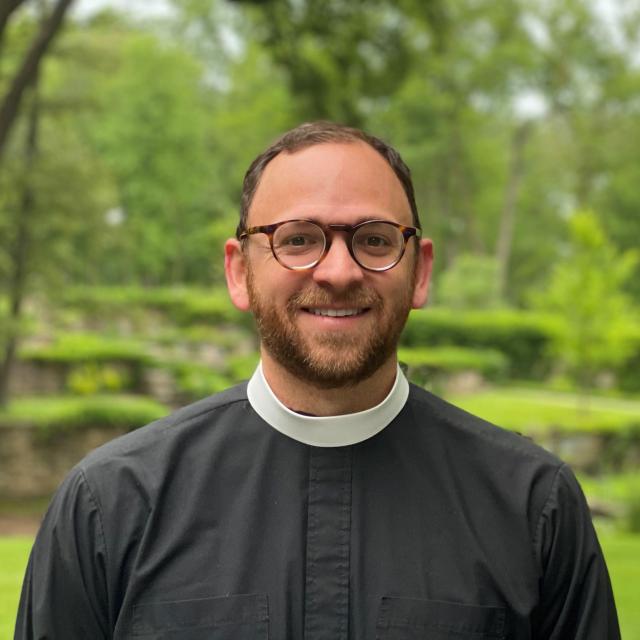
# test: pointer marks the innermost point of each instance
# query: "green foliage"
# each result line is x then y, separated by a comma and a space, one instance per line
335, 55
195, 381
152, 132
88, 349
425, 364
89, 379
224, 336
56, 414
628, 373
242, 367
586, 291
471, 283
621, 489
540, 412
185, 306
521, 336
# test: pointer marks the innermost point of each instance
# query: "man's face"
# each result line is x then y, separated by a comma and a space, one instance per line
296, 311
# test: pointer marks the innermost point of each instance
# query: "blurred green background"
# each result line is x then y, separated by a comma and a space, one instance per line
125, 131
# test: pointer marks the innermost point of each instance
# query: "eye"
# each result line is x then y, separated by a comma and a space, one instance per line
298, 240
375, 241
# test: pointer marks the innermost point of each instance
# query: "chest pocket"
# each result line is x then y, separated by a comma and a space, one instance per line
413, 619
238, 617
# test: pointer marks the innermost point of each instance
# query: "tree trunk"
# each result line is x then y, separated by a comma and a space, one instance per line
512, 190
7, 7
20, 251
28, 71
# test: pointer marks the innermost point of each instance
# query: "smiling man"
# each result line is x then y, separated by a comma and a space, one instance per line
327, 498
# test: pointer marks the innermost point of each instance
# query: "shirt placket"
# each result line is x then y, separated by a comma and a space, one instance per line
326, 603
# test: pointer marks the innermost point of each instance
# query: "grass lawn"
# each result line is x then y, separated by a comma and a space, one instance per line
621, 550
535, 411
13, 559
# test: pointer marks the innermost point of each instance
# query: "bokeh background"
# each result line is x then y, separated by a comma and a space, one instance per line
125, 131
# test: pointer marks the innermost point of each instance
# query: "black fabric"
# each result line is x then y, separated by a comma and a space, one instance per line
211, 524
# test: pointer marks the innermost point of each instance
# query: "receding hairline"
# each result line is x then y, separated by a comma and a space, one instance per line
314, 134
275, 170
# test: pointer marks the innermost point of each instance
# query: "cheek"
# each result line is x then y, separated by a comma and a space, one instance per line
274, 285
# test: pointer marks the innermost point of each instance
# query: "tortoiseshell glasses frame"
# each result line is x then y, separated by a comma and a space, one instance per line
375, 245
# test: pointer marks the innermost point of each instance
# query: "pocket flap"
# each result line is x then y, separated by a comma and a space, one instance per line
152, 617
436, 615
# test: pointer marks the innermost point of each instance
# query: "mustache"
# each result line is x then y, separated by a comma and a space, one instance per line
359, 298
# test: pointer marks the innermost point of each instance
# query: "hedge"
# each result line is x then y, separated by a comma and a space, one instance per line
182, 305
426, 363
77, 348
523, 337
55, 414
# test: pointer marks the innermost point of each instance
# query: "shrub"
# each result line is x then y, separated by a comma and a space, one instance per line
182, 305
195, 381
426, 363
87, 348
628, 372
90, 378
523, 337
471, 283
55, 414
242, 367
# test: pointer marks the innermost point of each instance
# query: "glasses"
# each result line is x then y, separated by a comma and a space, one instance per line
376, 245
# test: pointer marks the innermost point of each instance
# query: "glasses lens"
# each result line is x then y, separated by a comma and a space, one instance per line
377, 245
298, 244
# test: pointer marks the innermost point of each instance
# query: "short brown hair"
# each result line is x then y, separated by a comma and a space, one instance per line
313, 133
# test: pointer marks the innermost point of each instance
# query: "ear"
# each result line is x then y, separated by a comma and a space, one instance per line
423, 273
235, 271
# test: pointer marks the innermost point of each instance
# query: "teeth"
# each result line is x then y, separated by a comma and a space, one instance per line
335, 313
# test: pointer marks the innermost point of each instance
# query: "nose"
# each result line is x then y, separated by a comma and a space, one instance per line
338, 269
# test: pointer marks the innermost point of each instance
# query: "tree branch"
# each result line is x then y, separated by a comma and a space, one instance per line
7, 7
24, 77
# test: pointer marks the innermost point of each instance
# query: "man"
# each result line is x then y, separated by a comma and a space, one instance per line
327, 498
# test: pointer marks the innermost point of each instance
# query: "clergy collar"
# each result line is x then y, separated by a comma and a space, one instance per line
326, 431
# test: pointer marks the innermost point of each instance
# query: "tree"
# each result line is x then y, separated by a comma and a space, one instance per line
586, 290
27, 71
336, 56
469, 284
51, 197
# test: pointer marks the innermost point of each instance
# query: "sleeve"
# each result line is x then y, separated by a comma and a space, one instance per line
576, 600
64, 593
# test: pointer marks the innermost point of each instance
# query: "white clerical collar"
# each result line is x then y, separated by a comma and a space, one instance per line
326, 431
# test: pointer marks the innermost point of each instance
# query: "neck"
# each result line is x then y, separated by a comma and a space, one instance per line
305, 397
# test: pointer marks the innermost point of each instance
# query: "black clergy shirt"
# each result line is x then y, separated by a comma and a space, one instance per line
212, 524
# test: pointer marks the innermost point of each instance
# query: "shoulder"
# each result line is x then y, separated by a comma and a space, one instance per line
138, 461
512, 470
174, 427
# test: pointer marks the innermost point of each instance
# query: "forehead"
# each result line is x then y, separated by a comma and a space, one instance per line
333, 182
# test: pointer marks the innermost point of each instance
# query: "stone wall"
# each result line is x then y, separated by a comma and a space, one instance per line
37, 378
32, 465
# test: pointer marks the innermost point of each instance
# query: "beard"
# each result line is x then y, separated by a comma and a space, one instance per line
331, 359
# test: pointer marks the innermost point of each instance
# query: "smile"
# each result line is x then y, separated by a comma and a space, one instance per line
336, 313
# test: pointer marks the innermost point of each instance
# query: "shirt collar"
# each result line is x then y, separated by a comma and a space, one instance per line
326, 431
